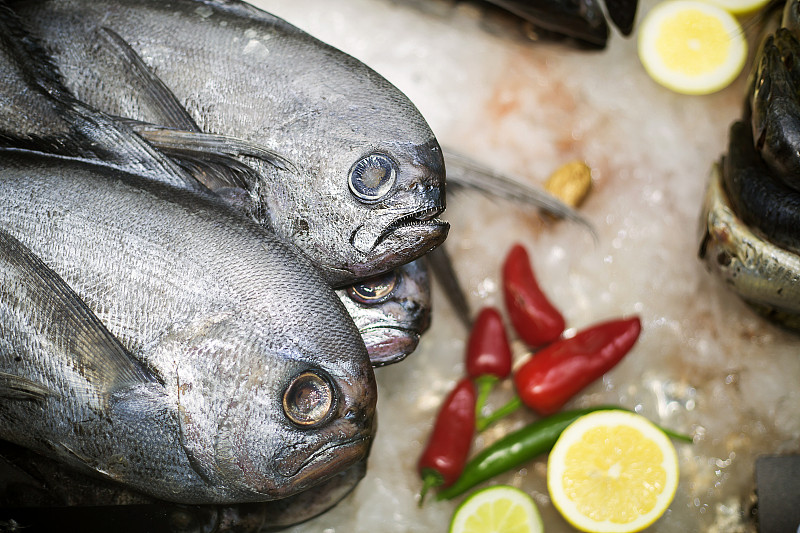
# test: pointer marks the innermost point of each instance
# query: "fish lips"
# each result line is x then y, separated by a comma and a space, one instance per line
389, 344
400, 239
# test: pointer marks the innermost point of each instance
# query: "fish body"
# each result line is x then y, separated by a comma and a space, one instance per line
237, 326
764, 275
365, 174
42, 494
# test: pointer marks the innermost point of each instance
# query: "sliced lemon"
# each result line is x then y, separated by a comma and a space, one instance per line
740, 7
612, 472
497, 509
691, 47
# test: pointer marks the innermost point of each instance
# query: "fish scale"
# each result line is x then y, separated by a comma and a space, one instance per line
224, 314
240, 72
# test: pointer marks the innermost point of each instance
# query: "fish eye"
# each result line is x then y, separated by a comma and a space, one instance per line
374, 290
372, 177
308, 399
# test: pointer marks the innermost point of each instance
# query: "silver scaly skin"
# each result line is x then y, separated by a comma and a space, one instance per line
265, 385
360, 175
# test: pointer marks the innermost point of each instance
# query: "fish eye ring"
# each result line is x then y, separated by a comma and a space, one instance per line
372, 177
309, 399
374, 290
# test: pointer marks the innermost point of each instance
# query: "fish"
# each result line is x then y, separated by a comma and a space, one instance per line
360, 179
267, 382
765, 276
39, 113
391, 311
40, 494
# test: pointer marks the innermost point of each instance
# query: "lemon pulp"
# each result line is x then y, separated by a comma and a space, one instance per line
497, 509
691, 46
612, 472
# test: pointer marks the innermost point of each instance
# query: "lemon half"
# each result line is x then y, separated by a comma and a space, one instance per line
691, 47
497, 509
740, 7
612, 472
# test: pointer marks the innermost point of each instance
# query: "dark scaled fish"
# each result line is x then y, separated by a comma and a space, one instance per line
263, 387
359, 177
39, 494
765, 203
391, 311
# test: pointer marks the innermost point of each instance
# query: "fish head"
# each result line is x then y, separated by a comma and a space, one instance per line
391, 311
266, 417
368, 180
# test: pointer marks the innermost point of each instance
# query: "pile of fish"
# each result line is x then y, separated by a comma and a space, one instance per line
178, 213
749, 235
214, 227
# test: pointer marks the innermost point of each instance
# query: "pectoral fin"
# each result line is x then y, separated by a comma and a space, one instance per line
18, 388
152, 92
53, 328
211, 154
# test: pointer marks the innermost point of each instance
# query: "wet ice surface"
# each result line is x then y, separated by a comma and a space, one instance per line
704, 364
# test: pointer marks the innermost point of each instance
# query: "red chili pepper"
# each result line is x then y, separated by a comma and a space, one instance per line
534, 318
488, 351
558, 371
448, 447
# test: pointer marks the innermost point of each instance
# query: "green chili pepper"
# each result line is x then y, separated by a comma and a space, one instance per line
521, 446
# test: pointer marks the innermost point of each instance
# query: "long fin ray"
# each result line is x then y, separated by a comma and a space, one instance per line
31, 289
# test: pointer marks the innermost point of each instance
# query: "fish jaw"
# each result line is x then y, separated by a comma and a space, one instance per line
388, 345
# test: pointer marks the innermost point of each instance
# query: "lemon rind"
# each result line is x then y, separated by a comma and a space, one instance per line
708, 83
573, 433
476, 499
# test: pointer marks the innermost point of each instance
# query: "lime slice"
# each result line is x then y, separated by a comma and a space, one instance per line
691, 47
497, 509
612, 472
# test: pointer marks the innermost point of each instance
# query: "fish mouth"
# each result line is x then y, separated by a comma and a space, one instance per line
401, 241
330, 458
423, 218
387, 345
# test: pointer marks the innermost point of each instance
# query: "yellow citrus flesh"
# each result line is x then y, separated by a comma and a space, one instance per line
691, 47
612, 472
497, 509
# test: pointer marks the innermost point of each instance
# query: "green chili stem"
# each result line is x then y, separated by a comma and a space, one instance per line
485, 384
501, 412
430, 478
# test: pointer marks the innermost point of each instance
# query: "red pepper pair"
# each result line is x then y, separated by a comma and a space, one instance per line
564, 366
488, 360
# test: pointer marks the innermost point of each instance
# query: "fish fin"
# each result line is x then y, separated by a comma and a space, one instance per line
14, 387
623, 14
442, 267
159, 98
35, 292
463, 172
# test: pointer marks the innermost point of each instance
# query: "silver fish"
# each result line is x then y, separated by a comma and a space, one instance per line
391, 311
763, 274
39, 494
363, 175
268, 384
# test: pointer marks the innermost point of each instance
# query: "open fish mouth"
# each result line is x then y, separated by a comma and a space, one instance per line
425, 218
326, 461
389, 344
